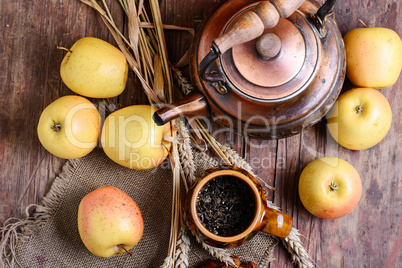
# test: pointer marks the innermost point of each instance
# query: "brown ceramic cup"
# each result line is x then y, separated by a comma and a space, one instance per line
264, 219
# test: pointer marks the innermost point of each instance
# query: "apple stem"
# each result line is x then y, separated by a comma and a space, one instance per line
121, 246
63, 48
56, 126
333, 186
362, 22
359, 109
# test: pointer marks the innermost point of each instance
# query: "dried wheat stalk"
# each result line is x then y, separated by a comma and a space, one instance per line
146, 54
189, 167
123, 43
300, 256
167, 76
292, 243
160, 37
186, 152
229, 156
183, 248
185, 86
218, 253
238, 161
167, 263
176, 205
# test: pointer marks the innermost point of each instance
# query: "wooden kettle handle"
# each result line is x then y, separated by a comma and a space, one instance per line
251, 24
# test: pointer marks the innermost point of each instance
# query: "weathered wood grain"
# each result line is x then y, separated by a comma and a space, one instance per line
29, 80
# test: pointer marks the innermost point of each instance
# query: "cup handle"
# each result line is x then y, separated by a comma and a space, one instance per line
276, 223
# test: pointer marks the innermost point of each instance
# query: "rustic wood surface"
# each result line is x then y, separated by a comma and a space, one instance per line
29, 80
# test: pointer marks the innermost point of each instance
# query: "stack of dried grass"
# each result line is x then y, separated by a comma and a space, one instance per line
146, 52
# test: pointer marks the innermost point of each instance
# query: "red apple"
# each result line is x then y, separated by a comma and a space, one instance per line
109, 221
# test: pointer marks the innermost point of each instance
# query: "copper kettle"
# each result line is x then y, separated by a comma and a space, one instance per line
264, 69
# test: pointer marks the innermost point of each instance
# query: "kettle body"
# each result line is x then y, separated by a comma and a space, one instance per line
258, 96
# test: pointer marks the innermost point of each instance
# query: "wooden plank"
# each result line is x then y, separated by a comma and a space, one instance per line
29, 80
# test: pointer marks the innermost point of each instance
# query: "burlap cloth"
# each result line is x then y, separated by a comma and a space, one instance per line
50, 238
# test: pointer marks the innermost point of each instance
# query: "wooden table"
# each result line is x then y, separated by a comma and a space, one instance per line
29, 80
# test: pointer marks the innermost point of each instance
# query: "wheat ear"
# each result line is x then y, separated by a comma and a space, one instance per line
299, 254
189, 170
236, 160
218, 253
292, 242
294, 246
185, 86
167, 263
182, 249
186, 152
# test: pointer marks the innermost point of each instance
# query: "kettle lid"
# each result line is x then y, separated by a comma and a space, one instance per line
280, 76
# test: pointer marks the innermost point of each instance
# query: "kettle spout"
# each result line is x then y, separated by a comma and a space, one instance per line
193, 104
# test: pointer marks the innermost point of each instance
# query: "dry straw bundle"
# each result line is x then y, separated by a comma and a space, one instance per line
146, 52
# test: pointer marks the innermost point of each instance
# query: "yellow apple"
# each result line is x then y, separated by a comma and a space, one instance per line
132, 139
69, 127
373, 57
330, 187
360, 118
94, 68
109, 221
